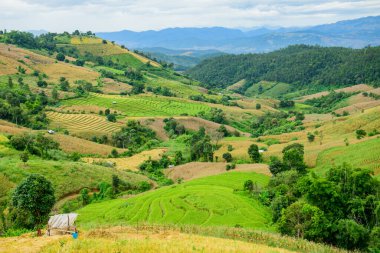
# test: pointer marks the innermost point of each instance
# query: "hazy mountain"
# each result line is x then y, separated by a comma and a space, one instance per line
182, 59
356, 33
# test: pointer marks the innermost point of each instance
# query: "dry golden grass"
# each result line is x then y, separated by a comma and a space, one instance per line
266, 104
10, 128
359, 107
194, 123
72, 144
111, 86
72, 73
354, 88
195, 170
130, 163
127, 239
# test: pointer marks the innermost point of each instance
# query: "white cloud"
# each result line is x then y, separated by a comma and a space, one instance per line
111, 15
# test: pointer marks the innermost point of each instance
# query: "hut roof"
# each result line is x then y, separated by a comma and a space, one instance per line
62, 221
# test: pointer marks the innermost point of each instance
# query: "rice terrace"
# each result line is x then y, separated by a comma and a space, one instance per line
189, 127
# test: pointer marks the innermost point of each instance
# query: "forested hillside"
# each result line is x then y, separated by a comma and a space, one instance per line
302, 66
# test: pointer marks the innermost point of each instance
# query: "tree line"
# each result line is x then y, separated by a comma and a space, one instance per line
299, 65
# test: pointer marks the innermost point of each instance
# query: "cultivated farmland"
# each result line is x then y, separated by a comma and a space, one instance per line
142, 105
206, 201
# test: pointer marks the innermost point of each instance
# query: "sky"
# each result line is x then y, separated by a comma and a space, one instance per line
139, 15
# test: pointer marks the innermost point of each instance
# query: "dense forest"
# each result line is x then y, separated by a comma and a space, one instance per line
299, 65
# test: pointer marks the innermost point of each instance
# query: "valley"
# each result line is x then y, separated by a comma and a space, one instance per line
223, 156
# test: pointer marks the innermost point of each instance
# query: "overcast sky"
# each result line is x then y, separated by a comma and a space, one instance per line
114, 15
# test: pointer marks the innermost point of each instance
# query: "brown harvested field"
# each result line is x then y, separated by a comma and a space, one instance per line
194, 123
10, 128
195, 170
111, 86
375, 91
317, 118
157, 125
355, 88
130, 163
71, 72
316, 95
359, 107
84, 125
72, 144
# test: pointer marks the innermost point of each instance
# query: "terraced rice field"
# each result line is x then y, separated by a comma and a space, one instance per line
130, 163
193, 170
82, 124
209, 201
365, 155
142, 105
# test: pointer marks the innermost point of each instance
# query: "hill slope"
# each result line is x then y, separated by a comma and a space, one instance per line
307, 67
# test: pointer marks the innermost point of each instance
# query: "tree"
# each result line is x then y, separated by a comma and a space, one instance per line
248, 185
10, 82
254, 154
115, 183
293, 157
24, 157
258, 106
111, 117
276, 166
227, 156
60, 57
42, 84
107, 111
351, 235
35, 196
114, 153
84, 196
223, 130
310, 137
360, 133
178, 158
55, 94
137, 88
303, 220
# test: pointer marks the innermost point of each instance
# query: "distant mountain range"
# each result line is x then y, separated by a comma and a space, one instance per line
356, 33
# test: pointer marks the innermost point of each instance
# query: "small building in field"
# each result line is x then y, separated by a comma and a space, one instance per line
62, 224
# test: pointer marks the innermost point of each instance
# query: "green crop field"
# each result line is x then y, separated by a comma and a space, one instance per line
179, 88
142, 105
361, 155
269, 89
125, 59
209, 201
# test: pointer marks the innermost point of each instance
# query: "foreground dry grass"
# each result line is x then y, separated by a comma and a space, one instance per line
126, 239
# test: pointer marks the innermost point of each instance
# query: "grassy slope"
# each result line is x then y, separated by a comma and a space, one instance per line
209, 201
362, 155
66, 176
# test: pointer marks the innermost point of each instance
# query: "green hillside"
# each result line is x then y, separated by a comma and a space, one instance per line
302, 66
66, 176
361, 155
210, 201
